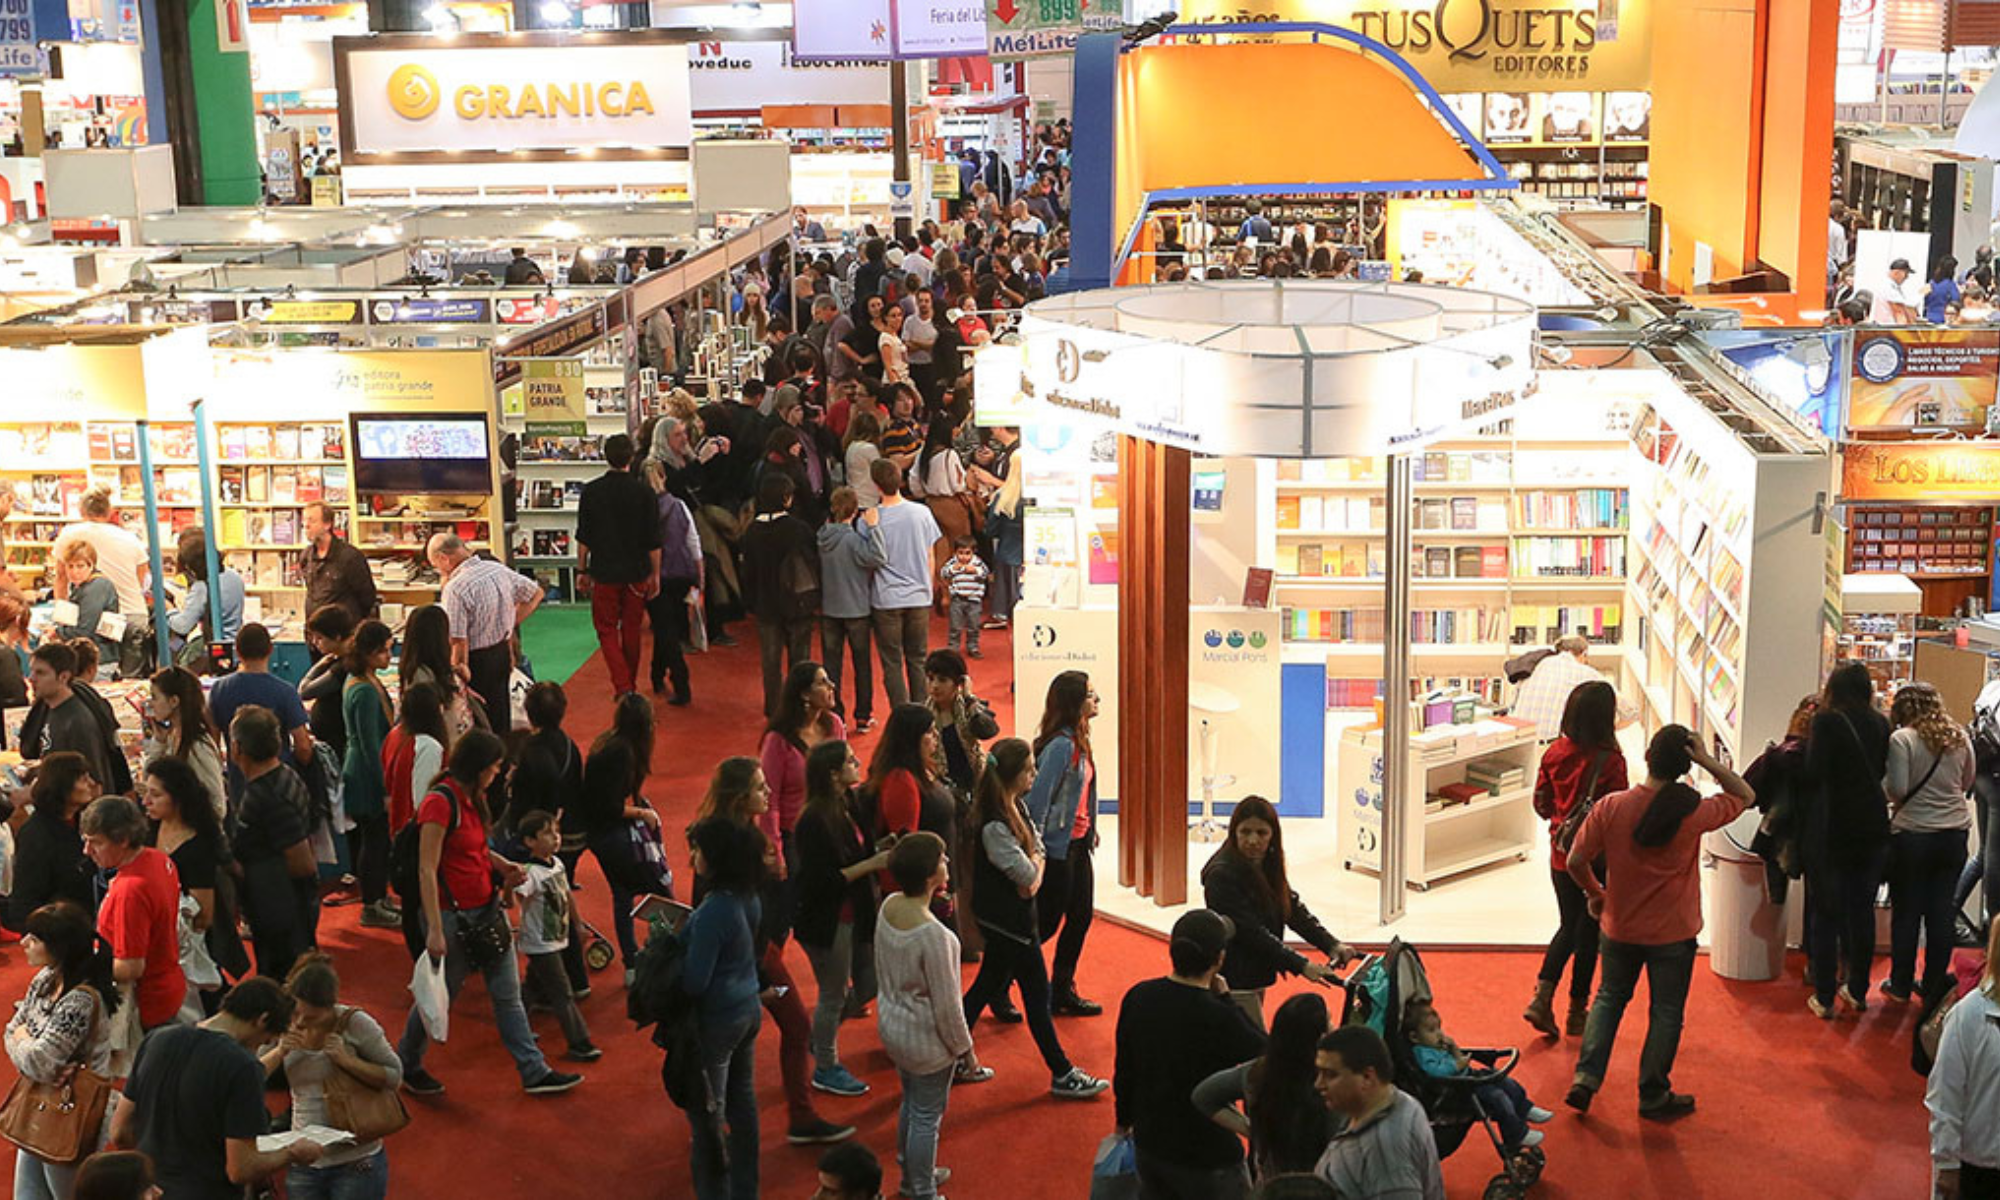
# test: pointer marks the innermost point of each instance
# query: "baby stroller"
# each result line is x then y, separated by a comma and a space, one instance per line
1378, 991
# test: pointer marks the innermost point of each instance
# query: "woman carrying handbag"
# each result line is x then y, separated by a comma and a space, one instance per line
60, 1041
343, 1075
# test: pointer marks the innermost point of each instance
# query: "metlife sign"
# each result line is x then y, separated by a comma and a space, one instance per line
1038, 28
19, 53
880, 30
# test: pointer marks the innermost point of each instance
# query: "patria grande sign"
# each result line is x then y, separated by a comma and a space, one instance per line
518, 96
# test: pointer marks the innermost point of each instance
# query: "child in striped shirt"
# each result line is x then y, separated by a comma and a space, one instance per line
965, 579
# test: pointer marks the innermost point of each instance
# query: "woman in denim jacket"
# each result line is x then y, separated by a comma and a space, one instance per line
1063, 805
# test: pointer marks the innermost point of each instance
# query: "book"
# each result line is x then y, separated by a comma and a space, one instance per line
284, 485
257, 485
335, 477
311, 485
1466, 562
100, 443
1257, 587
333, 442
230, 440
257, 441
124, 443
286, 529
285, 442
1464, 513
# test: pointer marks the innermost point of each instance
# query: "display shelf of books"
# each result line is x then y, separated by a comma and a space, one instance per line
46, 464
1469, 799
1727, 531
1878, 615
1511, 537
113, 449
551, 465
266, 473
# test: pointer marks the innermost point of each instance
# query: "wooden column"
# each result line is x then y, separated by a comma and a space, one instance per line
1152, 697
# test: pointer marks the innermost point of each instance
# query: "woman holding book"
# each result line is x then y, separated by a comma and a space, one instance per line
189, 626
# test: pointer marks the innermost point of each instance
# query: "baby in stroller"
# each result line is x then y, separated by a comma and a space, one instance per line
1503, 1098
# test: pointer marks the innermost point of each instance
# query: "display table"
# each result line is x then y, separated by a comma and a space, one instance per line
1440, 842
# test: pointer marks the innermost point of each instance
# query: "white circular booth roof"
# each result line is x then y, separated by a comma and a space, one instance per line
1272, 368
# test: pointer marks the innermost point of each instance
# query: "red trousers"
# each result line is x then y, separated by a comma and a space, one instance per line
618, 611
795, 1060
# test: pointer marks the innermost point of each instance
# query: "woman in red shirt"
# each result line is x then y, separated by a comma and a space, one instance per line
464, 924
1585, 756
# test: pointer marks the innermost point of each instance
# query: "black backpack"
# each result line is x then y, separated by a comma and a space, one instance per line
657, 999
798, 575
405, 856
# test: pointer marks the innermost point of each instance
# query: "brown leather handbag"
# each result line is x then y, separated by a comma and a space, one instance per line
59, 1122
366, 1112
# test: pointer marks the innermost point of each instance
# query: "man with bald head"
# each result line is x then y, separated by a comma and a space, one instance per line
486, 601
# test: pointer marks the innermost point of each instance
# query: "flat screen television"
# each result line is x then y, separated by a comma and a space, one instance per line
422, 452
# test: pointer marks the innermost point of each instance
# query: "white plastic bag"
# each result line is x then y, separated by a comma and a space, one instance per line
433, 998
196, 963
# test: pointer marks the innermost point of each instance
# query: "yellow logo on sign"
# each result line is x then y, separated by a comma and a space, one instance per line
413, 92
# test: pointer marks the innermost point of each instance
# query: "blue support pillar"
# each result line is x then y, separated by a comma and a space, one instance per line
1094, 160
208, 521
153, 542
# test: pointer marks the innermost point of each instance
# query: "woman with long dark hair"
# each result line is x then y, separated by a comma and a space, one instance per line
464, 925
619, 824
427, 659
1846, 836
1009, 864
365, 710
186, 830
1063, 806
48, 851
835, 921
903, 786
1287, 1123
721, 974
804, 719
738, 792
178, 726
1930, 785
63, 1022
1245, 881
1581, 766
939, 480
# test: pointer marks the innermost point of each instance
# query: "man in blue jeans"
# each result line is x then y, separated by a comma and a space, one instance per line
1649, 912
900, 592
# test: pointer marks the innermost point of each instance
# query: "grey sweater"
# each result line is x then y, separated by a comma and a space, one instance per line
849, 553
1940, 805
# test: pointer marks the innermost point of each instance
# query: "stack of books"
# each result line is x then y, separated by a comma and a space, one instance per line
1496, 775
1453, 794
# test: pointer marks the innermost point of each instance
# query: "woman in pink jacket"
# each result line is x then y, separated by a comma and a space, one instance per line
805, 718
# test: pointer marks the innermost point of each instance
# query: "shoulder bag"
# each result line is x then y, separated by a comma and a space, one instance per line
1586, 799
369, 1113
59, 1122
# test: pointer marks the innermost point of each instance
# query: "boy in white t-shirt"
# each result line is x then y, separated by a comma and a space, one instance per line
545, 928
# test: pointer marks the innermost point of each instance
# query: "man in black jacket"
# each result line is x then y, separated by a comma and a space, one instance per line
336, 572
1172, 1034
618, 559
780, 583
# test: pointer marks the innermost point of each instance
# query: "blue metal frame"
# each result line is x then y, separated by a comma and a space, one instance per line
1495, 179
152, 500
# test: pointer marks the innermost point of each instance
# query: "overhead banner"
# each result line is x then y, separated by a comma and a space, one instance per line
1967, 472
740, 78
1036, 28
522, 95
879, 30
1482, 45
1923, 378
424, 311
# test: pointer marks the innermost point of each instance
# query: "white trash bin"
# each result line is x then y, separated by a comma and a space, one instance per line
1746, 931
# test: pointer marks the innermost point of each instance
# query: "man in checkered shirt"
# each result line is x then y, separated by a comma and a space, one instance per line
486, 600
1541, 699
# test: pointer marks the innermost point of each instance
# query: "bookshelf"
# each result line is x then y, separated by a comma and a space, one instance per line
1472, 783
551, 465
45, 461
1729, 536
1514, 539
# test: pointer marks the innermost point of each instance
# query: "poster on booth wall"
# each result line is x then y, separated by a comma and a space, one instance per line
1234, 692
1628, 117
1508, 119
1923, 379
1051, 640
552, 397
1566, 118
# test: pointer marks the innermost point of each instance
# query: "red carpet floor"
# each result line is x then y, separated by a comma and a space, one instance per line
1789, 1107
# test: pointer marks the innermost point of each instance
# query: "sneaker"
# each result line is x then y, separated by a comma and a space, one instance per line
721, 639
584, 1053
1819, 1008
839, 1081
994, 623
582, 993
419, 1082
938, 1177
974, 653
1845, 995
1006, 1013
1673, 1104
554, 1083
1537, 1115
374, 916
867, 725
1899, 994
630, 976
1069, 1004
1579, 1097
819, 1132
1530, 1140
1077, 1085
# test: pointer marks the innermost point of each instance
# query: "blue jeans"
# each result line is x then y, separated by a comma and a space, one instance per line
727, 1170
1506, 1101
1669, 970
503, 988
38, 1179
917, 1125
367, 1179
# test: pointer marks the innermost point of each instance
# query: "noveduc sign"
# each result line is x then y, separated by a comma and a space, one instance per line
1480, 45
527, 95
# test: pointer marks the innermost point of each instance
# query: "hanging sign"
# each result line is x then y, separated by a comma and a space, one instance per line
20, 54
880, 30
902, 200
1948, 471
1035, 28
1923, 378
552, 396
304, 312
425, 311
944, 180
